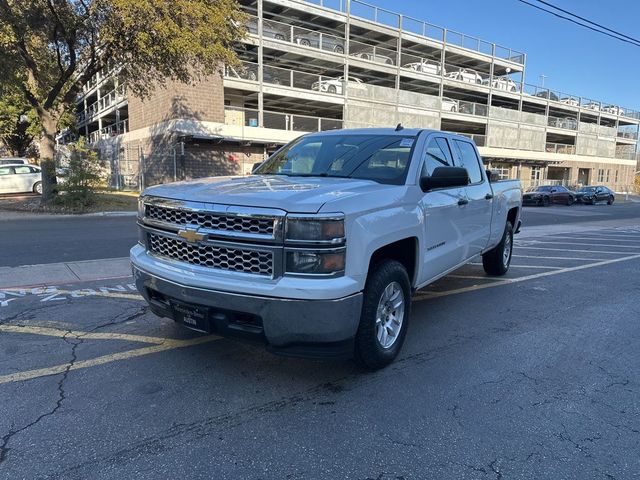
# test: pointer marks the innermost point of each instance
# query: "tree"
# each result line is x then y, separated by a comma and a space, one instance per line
50, 49
19, 123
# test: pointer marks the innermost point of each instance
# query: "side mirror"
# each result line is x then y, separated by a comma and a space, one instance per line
445, 177
489, 175
256, 166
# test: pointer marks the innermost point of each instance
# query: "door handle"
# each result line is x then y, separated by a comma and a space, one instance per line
488, 196
462, 201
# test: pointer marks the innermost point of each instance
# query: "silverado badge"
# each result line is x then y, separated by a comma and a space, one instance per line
191, 235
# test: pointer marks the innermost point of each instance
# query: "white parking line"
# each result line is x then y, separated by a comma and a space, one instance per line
529, 266
572, 250
557, 258
606, 239
507, 281
471, 277
534, 242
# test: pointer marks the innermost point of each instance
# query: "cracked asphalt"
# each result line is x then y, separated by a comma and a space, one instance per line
536, 375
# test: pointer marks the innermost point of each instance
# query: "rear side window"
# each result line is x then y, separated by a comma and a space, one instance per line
466, 157
437, 154
6, 170
25, 169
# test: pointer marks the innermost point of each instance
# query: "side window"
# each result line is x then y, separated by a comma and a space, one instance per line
24, 169
6, 170
466, 157
437, 154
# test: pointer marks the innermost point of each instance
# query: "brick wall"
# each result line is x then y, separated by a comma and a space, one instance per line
203, 100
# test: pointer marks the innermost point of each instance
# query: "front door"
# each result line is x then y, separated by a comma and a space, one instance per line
442, 216
583, 176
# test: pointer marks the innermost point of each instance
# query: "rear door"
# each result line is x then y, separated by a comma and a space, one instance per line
476, 220
442, 216
25, 177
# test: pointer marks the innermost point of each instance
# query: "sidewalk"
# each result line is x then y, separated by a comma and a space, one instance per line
61, 273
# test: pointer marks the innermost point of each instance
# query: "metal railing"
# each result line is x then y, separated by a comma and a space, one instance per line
630, 134
278, 120
109, 131
560, 148
114, 97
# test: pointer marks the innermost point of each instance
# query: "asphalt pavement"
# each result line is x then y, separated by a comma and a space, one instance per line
529, 376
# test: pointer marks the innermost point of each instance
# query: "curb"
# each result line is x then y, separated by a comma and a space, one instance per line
62, 273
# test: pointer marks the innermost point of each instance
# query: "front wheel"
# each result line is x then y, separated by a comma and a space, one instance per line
37, 188
610, 200
332, 89
497, 260
304, 42
570, 201
385, 315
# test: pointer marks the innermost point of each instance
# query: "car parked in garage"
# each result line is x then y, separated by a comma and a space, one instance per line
333, 85
502, 83
593, 194
373, 56
311, 39
19, 178
426, 66
545, 195
613, 109
466, 75
450, 105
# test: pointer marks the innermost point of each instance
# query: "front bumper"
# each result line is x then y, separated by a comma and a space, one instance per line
316, 328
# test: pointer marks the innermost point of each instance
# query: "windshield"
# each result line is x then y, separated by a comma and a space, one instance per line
381, 158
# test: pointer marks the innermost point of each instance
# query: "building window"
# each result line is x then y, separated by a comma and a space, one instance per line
616, 177
501, 170
600, 175
536, 174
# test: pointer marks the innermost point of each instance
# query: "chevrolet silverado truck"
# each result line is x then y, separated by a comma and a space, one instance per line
319, 251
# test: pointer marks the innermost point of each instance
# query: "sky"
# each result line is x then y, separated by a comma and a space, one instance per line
574, 60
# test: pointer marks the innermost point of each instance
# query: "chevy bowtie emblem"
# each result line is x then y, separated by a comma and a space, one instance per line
191, 235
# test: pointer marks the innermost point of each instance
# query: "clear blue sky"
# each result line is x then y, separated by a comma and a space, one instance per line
575, 60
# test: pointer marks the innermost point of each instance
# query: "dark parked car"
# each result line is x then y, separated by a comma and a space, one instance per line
548, 95
547, 194
593, 194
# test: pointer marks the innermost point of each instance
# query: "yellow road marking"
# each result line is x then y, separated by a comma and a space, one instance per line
55, 332
114, 357
427, 294
557, 258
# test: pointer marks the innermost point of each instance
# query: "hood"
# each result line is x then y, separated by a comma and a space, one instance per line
292, 194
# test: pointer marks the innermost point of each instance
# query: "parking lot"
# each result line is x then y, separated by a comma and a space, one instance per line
532, 375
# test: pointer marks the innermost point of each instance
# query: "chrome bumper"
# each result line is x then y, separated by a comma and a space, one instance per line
287, 326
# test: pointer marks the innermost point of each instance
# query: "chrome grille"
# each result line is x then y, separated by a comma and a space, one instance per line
233, 259
210, 220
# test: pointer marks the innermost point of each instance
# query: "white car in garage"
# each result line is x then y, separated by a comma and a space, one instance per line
426, 66
450, 105
613, 109
333, 85
466, 75
20, 178
502, 83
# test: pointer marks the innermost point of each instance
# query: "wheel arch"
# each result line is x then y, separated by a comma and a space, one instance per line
404, 251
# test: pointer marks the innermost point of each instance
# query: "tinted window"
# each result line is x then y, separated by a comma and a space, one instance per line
437, 154
560, 188
544, 189
382, 158
6, 170
467, 158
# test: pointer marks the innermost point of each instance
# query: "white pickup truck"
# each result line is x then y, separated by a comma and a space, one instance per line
319, 252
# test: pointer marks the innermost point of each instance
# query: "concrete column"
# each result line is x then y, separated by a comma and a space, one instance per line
260, 67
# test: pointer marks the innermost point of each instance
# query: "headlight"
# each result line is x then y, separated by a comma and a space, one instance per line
315, 229
315, 262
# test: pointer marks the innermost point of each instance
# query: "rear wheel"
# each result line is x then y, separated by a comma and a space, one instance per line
305, 42
610, 200
37, 188
338, 49
570, 201
332, 89
497, 260
385, 315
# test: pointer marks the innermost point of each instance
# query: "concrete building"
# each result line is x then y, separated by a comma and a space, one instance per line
327, 64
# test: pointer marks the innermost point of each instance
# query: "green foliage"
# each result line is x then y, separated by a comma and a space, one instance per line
51, 49
83, 174
19, 123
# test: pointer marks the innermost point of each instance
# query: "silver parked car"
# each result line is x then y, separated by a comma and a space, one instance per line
373, 57
312, 39
20, 178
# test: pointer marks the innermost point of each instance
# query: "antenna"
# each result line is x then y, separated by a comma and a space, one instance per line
399, 127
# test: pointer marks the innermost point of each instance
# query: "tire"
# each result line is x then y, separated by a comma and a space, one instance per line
305, 42
610, 200
338, 49
570, 201
278, 36
497, 260
375, 348
252, 76
37, 188
332, 89
388, 61
545, 201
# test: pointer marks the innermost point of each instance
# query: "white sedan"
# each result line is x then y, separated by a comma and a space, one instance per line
333, 85
20, 179
426, 66
466, 75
